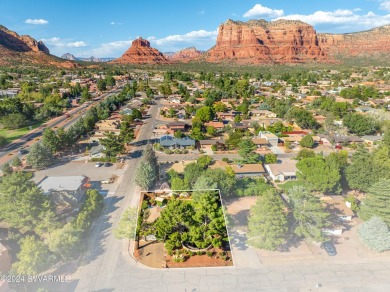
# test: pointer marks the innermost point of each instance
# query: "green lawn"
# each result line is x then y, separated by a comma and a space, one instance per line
290, 184
12, 135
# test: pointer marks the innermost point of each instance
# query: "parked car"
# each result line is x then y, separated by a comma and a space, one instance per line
98, 164
107, 164
329, 248
23, 151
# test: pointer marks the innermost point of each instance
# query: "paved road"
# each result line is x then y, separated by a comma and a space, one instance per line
9, 152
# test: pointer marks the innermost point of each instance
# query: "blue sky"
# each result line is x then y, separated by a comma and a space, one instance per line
106, 28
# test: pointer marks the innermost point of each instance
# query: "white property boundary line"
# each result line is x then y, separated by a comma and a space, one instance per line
226, 226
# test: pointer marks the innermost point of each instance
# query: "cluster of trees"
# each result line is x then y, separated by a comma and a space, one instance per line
147, 171
200, 223
360, 125
269, 220
322, 174
360, 92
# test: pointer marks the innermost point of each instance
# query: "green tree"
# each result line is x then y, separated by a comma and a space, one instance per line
204, 183
205, 161
126, 132
307, 141
234, 139
310, 217
113, 145
110, 81
361, 174
40, 156
66, 242
34, 257
51, 140
178, 134
196, 133
305, 153
136, 114
3, 141
377, 202
247, 151
375, 234
359, 124
205, 114
6, 169
178, 183
192, 171
101, 85
211, 131
270, 158
16, 162
23, 205
127, 225
145, 176
220, 107
14, 121
319, 174
267, 226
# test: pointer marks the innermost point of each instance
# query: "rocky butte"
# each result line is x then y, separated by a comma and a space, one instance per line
17, 49
259, 41
185, 55
141, 52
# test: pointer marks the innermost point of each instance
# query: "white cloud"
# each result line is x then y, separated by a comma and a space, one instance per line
115, 23
347, 18
260, 10
36, 21
112, 23
385, 5
51, 40
201, 39
78, 44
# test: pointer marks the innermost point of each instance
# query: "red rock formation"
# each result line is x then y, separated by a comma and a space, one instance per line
259, 41
185, 55
374, 42
140, 52
24, 49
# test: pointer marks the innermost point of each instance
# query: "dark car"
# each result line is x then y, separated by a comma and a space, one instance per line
107, 164
23, 151
329, 248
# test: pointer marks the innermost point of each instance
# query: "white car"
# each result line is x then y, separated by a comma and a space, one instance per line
98, 164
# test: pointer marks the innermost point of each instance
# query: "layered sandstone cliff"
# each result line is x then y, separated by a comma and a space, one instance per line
259, 41
185, 55
25, 49
373, 42
141, 52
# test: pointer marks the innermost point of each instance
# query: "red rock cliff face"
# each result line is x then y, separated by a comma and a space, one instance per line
186, 55
25, 49
258, 41
366, 43
140, 52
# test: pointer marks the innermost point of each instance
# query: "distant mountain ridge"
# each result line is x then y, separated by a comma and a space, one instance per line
185, 55
71, 57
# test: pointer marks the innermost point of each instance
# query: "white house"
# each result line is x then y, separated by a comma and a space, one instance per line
283, 171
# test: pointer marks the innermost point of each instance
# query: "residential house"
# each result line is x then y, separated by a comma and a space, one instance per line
173, 143
207, 145
176, 126
228, 116
261, 142
241, 170
174, 99
65, 191
372, 139
261, 113
341, 139
270, 137
282, 171
216, 125
341, 210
